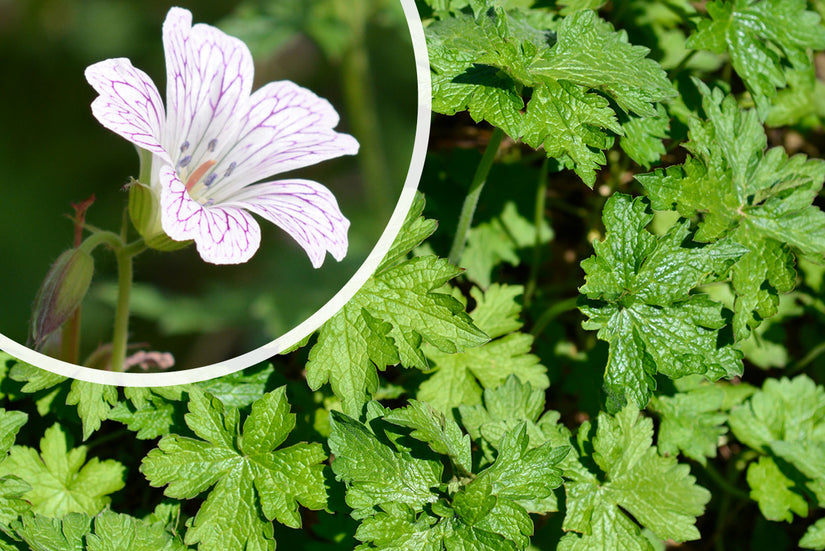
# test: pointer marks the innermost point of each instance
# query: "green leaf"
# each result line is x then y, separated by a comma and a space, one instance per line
497, 309
814, 537
523, 474
486, 521
589, 52
459, 378
809, 459
440, 433
500, 240
572, 6
110, 532
403, 503
35, 379
691, 422
397, 527
115, 532
12, 503
504, 408
387, 321
784, 410
151, 412
10, 424
772, 491
241, 388
590, 55
759, 198
61, 480
641, 302
483, 64
51, 534
254, 483
642, 139
377, 473
415, 230
761, 38
657, 491
461, 49
568, 123
785, 420
12, 488
93, 401
801, 103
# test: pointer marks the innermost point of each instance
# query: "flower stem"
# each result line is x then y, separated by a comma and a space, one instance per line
120, 335
538, 218
359, 95
682, 64
468, 209
815, 352
121, 330
111, 239
70, 333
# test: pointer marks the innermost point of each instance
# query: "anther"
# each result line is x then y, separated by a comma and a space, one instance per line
185, 161
212, 144
184, 146
210, 179
229, 170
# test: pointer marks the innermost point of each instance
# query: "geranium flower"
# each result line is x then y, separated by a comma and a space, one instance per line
216, 141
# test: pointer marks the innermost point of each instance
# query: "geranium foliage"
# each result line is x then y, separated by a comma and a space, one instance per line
599, 327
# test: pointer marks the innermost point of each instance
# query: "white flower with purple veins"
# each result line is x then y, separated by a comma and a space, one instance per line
216, 141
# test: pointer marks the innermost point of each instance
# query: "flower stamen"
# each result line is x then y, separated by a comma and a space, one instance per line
198, 174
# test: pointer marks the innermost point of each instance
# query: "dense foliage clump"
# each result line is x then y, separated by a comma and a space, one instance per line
613, 340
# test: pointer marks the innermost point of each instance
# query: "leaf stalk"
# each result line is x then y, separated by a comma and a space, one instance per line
468, 209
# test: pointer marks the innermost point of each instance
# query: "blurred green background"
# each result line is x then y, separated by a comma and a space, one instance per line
356, 53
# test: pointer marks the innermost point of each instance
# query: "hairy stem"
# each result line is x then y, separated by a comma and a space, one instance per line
725, 485
124, 253
725, 504
538, 218
468, 209
552, 313
682, 64
98, 238
120, 334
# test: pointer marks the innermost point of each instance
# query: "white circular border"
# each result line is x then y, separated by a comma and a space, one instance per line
295, 335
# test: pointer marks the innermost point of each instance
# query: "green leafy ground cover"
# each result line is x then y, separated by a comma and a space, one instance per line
623, 348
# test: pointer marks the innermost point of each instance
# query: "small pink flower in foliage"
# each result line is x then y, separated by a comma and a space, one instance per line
215, 141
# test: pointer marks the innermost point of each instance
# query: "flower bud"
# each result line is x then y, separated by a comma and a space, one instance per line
61, 293
144, 211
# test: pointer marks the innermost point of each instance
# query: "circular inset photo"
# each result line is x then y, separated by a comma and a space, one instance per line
192, 191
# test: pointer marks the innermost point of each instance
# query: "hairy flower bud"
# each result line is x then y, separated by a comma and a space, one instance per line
61, 293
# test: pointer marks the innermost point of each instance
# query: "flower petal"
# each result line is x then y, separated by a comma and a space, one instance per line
129, 103
223, 234
208, 82
286, 127
304, 209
